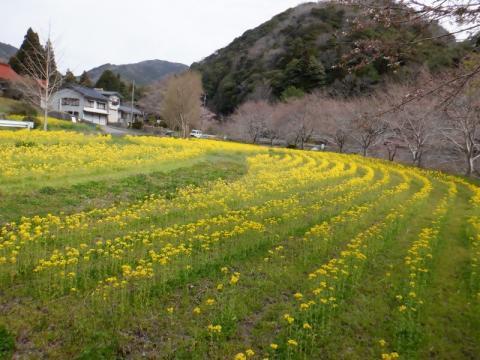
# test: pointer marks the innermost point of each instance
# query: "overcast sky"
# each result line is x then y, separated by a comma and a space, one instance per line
89, 33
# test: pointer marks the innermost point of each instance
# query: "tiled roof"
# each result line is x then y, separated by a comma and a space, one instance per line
88, 93
7, 73
128, 109
110, 93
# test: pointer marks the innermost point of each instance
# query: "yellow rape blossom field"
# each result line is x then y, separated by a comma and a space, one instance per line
157, 248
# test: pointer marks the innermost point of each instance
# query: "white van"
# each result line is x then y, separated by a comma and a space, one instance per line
196, 134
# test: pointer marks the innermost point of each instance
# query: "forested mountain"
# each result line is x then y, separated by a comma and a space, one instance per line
318, 45
144, 73
7, 51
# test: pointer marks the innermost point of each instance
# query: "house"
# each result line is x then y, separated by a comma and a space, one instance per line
114, 100
125, 114
93, 105
7, 76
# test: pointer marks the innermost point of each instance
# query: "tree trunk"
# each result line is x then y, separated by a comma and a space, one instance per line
45, 118
470, 166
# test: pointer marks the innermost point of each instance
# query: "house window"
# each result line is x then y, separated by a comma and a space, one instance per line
101, 105
70, 102
90, 103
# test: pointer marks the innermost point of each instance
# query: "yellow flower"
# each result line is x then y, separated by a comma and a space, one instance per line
307, 326
292, 342
402, 308
170, 310
210, 302
289, 318
240, 356
197, 310
298, 296
220, 287
214, 328
382, 342
304, 306
250, 352
234, 279
274, 346
391, 356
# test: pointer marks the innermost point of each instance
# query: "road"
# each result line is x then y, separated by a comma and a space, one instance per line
121, 131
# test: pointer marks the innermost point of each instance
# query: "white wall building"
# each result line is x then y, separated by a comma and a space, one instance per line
93, 105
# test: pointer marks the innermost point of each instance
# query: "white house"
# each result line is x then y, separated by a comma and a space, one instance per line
93, 105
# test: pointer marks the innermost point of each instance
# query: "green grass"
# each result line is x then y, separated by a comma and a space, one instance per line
7, 104
258, 214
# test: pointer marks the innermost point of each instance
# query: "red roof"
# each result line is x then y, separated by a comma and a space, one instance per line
7, 73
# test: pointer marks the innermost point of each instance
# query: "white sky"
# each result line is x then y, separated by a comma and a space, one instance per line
89, 33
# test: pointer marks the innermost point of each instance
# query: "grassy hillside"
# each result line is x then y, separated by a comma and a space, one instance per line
7, 105
196, 249
314, 46
10, 108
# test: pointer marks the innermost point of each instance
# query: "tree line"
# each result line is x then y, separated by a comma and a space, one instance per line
421, 131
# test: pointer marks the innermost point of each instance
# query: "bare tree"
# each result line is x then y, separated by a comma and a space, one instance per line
181, 103
334, 118
41, 79
152, 101
392, 149
462, 128
366, 128
415, 124
250, 121
394, 16
273, 125
298, 121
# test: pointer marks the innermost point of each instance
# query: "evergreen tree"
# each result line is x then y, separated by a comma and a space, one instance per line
51, 63
85, 80
112, 82
305, 73
107, 81
69, 78
31, 53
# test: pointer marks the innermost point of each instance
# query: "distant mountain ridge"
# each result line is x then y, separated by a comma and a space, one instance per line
7, 51
144, 73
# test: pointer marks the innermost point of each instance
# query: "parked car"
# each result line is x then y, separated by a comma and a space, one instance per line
320, 147
196, 134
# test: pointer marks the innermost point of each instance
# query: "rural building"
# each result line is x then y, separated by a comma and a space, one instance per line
125, 113
93, 105
7, 76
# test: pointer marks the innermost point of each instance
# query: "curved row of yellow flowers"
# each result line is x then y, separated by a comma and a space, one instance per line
162, 246
212, 299
219, 196
327, 284
418, 260
350, 214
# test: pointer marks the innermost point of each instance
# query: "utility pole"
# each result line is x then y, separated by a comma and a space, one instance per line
133, 97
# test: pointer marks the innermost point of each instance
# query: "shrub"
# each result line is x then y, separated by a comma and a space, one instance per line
23, 109
137, 125
22, 143
36, 121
